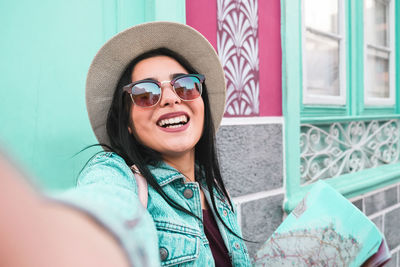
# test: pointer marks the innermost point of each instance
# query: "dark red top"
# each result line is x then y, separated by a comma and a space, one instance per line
217, 245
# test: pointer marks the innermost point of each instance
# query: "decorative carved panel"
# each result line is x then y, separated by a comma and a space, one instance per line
329, 150
237, 44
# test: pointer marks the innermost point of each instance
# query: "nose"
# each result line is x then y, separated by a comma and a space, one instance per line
168, 95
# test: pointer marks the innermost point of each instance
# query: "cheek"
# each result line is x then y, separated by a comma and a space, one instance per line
201, 109
200, 114
139, 122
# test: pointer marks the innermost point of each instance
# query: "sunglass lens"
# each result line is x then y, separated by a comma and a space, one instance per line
188, 87
146, 94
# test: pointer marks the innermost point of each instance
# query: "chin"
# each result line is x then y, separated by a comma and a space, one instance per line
177, 150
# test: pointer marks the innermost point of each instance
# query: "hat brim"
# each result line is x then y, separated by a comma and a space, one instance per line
112, 59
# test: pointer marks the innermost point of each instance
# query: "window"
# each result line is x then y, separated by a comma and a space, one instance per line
379, 59
326, 52
324, 55
341, 106
340, 146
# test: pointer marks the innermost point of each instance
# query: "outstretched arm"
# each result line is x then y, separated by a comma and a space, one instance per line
36, 232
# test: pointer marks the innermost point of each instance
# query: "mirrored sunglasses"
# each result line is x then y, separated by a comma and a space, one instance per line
147, 93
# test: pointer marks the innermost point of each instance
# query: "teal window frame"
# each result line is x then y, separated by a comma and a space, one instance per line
296, 113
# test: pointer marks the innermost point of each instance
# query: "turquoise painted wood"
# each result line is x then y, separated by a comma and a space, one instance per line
355, 70
320, 119
291, 85
351, 184
319, 110
397, 55
352, 101
162, 10
46, 48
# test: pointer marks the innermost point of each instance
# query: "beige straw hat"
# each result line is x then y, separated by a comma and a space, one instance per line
112, 59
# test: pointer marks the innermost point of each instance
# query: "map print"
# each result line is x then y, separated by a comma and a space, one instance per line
314, 247
325, 229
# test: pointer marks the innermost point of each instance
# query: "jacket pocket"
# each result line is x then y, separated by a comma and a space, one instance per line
177, 244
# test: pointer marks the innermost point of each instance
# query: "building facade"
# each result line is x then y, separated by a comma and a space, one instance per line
312, 93
320, 101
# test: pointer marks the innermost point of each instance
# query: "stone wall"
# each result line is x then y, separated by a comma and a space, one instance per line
383, 208
251, 159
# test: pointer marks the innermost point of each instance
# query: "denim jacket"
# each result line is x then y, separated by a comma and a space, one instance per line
181, 237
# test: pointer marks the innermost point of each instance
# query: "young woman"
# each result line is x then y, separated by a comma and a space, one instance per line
155, 95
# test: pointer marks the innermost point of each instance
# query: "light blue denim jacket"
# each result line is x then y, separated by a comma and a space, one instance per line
107, 190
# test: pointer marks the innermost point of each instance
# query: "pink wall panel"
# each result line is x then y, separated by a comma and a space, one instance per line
269, 35
237, 42
202, 15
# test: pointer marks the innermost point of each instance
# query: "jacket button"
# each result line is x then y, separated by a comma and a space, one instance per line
163, 254
188, 193
225, 213
237, 246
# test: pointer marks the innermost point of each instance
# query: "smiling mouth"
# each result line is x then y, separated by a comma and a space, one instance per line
175, 122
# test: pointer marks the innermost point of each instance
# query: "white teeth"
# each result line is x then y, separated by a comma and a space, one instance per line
174, 126
179, 119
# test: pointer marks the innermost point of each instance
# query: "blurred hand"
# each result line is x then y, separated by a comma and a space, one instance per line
35, 232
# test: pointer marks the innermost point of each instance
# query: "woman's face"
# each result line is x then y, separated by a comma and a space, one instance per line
146, 126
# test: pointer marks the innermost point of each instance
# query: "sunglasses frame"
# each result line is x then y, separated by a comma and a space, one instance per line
128, 88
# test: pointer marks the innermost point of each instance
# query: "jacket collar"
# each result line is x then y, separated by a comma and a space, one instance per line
165, 174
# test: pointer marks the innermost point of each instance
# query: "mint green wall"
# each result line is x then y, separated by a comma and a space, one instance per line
46, 48
172, 10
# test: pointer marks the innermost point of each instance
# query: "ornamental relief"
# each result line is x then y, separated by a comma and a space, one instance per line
329, 150
237, 44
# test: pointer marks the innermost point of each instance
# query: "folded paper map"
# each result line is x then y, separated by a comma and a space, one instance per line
325, 229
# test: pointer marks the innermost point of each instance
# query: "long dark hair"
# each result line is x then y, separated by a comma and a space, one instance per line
133, 152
